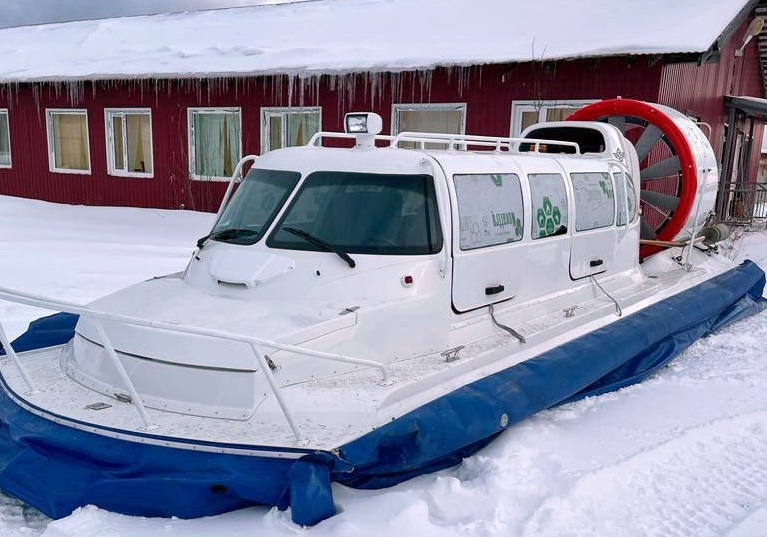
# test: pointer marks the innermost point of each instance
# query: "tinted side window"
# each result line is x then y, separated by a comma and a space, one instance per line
549, 202
631, 199
490, 209
620, 197
594, 200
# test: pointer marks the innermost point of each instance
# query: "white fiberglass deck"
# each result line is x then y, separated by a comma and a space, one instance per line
334, 410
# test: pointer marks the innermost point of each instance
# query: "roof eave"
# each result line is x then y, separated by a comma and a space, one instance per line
714, 52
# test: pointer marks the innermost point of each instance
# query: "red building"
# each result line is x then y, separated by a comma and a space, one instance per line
156, 111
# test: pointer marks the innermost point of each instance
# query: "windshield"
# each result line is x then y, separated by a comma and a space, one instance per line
362, 213
253, 207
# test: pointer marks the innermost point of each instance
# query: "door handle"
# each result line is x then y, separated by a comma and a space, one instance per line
596, 262
494, 290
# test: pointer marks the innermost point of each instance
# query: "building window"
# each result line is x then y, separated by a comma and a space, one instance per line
129, 142
490, 209
288, 127
68, 147
526, 113
5, 140
215, 142
447, 118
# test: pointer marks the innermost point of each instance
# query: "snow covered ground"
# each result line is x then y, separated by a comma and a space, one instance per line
682, 454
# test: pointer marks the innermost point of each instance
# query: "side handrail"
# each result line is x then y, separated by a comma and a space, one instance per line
319, 136
255, 344
499, 142
451, 140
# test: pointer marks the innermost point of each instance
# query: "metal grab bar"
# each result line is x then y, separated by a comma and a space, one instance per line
255, 344
320, 136
453, 140
232, 181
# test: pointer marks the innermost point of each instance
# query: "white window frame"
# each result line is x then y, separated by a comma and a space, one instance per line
416, 107
190, 136
4, 113
541, 107
49, 113
110, 113
269, 111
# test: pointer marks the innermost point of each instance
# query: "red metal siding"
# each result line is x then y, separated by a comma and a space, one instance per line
699, 90
488, 92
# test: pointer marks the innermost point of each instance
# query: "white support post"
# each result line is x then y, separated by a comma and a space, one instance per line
267, 372
15, 358
135, 398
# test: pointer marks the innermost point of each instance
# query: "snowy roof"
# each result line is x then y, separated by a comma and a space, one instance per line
339, 36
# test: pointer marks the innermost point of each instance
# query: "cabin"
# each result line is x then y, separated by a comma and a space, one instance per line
155, 111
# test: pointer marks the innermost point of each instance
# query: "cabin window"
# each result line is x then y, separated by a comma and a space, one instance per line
447, 118
68, 148
631, 199
620, 197
5, 140
549, 204
254, 205
490, 209
288, 127
526, 113
129, 142
594, 200
363, 213
215, 142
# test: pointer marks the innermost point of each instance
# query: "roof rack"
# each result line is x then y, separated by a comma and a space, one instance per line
318, 137
453, 141
463, 141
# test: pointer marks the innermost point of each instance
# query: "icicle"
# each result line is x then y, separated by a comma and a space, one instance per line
397, 85
156, 87
36, 98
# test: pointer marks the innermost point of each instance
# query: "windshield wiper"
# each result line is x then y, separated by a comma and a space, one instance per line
308, 237
226, 234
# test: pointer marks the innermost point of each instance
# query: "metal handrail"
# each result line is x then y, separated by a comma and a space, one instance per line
255, 344
451, 140
319, 136
499, 142
233, 181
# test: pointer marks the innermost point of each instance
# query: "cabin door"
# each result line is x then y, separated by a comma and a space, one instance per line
489, 260
594, 233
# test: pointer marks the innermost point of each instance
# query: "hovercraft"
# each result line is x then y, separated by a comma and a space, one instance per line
368, 314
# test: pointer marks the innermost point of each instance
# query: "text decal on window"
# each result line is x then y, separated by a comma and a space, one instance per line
490, 209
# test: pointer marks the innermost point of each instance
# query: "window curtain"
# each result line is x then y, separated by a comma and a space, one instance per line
559, 113
216, 144
275, 132
5, 141
301, 127
139, 143
529, 117
70, 141
440, 121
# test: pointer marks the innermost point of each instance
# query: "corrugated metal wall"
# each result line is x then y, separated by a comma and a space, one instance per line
487, 91
699, 90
